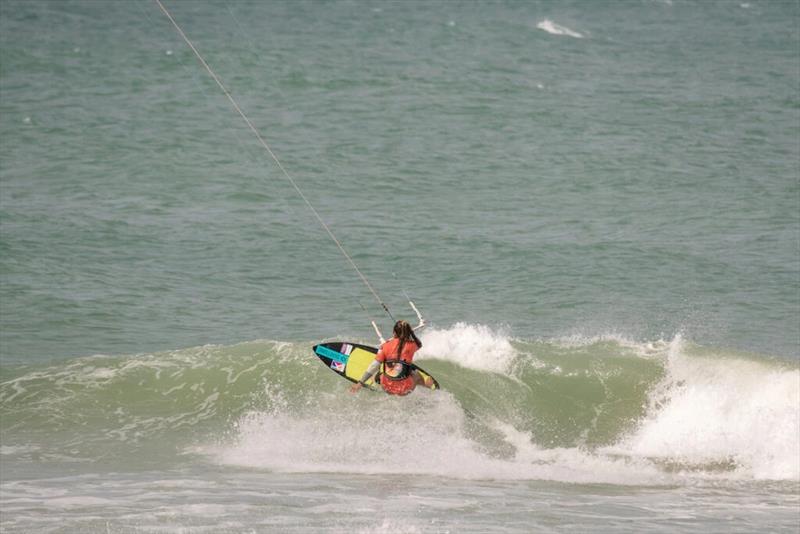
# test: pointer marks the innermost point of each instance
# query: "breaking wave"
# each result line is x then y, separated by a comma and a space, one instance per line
601, 409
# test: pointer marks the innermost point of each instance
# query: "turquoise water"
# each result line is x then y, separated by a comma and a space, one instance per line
595, 205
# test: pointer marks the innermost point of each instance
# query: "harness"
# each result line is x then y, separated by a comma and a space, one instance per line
395, 370
396, 375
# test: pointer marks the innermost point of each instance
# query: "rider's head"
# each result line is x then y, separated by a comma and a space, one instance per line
402, 330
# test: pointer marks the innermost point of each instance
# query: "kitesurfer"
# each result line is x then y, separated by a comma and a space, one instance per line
397, 376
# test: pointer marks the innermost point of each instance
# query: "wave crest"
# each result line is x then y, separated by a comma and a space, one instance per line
602, 408
556, 29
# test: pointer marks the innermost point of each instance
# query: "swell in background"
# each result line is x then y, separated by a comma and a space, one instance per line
640, 179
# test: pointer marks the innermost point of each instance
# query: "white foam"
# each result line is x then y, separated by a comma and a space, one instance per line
83, 501
12, 450
570, 464
473, 346
344, 440
643, 349
711, 416
433, 442
714, 409
101, 373
556, 29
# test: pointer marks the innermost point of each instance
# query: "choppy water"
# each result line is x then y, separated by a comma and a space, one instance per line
597, 205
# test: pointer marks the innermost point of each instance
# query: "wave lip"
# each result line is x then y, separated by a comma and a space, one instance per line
723, 413
556, 29
473, 346
586, 408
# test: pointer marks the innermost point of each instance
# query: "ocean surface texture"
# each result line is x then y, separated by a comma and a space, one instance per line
596, 205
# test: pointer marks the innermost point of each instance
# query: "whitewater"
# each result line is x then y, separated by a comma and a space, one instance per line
603, 410
591, 412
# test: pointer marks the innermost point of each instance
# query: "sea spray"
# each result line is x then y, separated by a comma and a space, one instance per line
715, 409
605, 409
472, 346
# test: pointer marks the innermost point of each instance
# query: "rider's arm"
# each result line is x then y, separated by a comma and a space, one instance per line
371, 370
373, 367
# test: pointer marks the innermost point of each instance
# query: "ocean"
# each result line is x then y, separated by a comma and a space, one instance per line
595, 205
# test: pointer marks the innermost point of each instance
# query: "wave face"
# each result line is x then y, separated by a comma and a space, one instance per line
600, 409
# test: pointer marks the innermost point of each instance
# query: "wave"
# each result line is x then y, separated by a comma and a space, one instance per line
556, 29
599, 409
709, 410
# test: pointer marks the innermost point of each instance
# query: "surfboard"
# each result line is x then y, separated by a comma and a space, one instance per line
350, 360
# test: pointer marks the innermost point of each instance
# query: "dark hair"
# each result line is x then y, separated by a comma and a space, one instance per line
404, 332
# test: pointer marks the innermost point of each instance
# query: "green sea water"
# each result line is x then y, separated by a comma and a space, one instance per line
596, 205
